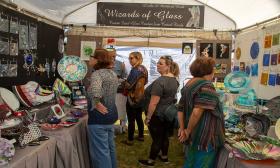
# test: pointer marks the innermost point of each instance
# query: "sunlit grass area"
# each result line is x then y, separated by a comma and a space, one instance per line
128, 155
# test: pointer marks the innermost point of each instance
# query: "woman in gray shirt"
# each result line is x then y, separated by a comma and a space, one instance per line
161, 94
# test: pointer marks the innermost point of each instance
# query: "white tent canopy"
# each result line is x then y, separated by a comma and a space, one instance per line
219, 14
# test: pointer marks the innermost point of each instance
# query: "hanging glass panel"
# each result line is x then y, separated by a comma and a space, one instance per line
23, 35
13, 46
4, 23
33, 36
4, 45
14, 25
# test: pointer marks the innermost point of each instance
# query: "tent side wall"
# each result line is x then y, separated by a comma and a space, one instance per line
244, 41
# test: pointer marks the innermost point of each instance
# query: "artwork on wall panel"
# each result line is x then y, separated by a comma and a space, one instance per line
206, 49
222, 50
87, 49
187, 48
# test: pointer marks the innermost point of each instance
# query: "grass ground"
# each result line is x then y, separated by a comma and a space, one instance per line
128, 156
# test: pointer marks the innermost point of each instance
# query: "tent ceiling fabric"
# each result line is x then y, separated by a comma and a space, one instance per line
243, 12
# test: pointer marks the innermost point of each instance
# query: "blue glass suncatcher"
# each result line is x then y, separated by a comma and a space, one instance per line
266, 59
278, 79
272, 79
236, 68
248, 70
273, 59
254, 69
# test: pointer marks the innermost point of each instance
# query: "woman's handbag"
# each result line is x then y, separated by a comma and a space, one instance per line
170, 113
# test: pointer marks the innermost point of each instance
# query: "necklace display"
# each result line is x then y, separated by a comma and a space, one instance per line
47, 67
53, 67
29, 59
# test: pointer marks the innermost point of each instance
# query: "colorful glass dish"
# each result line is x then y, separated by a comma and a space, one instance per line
247, 99
236, 81
72, 68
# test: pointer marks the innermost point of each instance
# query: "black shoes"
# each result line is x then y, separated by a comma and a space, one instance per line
164, 160
147, 163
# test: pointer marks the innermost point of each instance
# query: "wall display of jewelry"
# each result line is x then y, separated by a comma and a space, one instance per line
28, 49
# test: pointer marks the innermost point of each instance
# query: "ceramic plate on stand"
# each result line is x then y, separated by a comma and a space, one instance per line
9, 98
277, 128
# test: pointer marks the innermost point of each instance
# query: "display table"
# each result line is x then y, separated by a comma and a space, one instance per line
42, 156
226, 159
71, 145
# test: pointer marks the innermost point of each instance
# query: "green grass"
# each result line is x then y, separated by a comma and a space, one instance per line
128, 156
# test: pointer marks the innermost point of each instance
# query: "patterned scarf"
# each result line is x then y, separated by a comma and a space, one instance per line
210, 128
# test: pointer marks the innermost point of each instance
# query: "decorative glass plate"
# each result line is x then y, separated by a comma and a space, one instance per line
72, 68
9, 98
236, 81
254, 51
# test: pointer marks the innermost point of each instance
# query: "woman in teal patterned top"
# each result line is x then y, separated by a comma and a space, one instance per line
200, 116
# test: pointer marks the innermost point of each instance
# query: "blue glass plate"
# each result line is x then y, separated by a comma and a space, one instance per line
236, 81
255, 50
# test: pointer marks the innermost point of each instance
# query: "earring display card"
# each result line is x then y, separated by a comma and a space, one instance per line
4, 23
266, 58
268, 41
264, 78
23, 35
273, 59
254, 69
4, 45
33, 36
272, 79
14, 25
13, 47
278, 79
12, 72
275, 39
4, 68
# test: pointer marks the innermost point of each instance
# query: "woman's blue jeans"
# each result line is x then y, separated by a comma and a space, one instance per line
102, 146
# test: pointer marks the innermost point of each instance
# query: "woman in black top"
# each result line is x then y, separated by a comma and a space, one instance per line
161, 94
